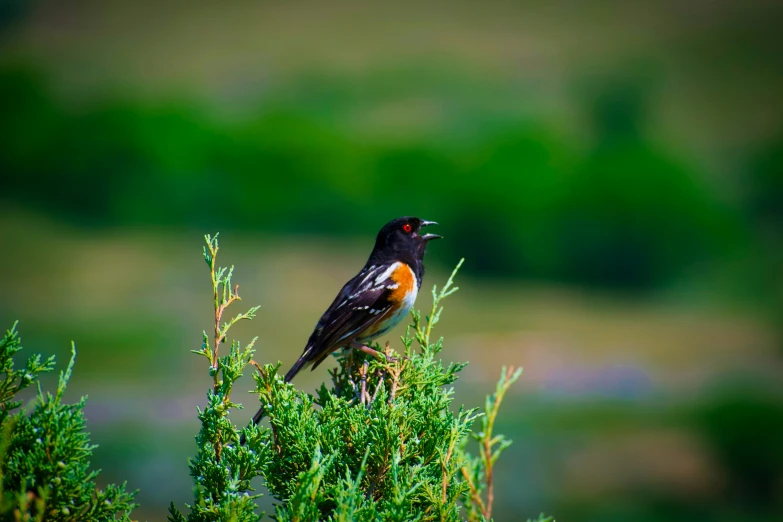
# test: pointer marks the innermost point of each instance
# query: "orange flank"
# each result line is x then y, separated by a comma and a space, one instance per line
405, 280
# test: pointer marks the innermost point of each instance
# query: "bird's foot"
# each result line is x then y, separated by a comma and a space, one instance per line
373, 352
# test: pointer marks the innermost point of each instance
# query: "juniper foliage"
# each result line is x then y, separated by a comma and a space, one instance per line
380, 442
46, 454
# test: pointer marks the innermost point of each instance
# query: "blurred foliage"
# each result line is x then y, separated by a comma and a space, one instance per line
744, 429
635, 214
739, 429
764, 188
12, 11
524, 200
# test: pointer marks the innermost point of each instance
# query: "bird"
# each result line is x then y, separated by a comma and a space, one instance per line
375, 300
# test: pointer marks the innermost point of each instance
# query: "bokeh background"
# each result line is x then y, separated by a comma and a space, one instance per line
612, 171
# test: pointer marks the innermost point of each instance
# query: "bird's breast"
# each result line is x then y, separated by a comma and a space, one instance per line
404, 295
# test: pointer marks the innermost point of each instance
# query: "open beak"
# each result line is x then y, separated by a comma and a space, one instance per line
428, 237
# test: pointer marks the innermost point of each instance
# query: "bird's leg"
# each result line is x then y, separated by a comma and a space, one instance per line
363, 376
377, 389
374, 353
350, 361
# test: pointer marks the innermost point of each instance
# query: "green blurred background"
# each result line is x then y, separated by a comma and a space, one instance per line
612, 171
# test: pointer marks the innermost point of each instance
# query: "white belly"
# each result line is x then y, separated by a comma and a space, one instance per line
403, 311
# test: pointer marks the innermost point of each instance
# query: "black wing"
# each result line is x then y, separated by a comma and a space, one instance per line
360, 303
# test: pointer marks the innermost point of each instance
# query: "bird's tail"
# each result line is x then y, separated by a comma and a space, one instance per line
298, 365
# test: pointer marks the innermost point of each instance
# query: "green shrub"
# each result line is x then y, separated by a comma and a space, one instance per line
46, 453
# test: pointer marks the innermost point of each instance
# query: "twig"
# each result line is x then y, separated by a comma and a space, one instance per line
363, 379
395, 383
380, 375
490, 488
423, 336
474, 494
445, 465
377, 480
489, 453
258, 366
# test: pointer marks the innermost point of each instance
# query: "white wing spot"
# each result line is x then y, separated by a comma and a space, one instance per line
368, 274
387, 273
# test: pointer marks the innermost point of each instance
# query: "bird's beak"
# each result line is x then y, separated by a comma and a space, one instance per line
428, 237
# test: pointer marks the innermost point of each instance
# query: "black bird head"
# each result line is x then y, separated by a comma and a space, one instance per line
401, 239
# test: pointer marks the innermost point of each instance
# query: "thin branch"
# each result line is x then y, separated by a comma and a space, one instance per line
474, 494
254, 363
487, 442
490, 486
379, 476
380, 376
423, 336
445, 466
395, 381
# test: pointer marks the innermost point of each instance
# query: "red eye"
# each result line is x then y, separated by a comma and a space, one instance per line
407, 228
